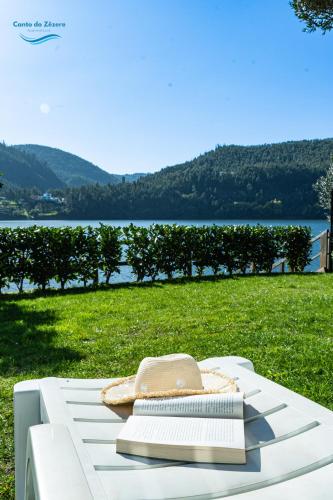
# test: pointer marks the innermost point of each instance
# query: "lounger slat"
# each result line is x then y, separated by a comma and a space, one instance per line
88, 412
247, 387
83, 384
99, 431
317, 484
265, 466
278, 425
261, 403
105, 456
92, 396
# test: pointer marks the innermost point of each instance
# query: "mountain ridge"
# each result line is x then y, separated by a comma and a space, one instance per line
22, 169
45, 168
71, 169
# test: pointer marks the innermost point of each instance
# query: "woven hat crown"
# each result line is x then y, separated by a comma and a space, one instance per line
165, 373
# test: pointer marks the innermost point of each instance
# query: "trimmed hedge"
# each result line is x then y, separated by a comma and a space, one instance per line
41, 254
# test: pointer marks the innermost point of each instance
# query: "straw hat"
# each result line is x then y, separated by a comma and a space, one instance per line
167, 376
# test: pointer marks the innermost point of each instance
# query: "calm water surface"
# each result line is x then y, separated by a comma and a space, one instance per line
317, 226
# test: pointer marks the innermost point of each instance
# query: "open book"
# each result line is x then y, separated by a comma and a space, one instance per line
207, 428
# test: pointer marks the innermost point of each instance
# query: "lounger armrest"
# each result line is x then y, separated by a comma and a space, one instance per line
54, 470
26, 414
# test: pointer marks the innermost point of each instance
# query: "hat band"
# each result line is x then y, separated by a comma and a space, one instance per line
230, 386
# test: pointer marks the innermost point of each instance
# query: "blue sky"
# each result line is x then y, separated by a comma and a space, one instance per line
136, 85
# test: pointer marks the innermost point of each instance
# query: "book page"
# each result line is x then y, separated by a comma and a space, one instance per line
228, 405
177, 431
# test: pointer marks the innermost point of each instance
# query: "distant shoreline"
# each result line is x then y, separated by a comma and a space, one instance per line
163, 219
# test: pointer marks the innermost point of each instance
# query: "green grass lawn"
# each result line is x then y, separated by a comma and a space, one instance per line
282, 323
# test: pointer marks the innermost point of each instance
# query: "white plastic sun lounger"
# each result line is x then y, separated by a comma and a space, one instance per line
71, 455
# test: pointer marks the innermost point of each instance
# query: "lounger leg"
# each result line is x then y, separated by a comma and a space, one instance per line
26, 414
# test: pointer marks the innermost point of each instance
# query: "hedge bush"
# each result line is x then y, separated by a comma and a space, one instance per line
42, 254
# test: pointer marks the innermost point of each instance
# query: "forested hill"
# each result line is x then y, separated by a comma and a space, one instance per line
272, 180
19, 168
71, 169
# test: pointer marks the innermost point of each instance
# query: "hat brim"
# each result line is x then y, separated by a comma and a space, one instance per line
122, 391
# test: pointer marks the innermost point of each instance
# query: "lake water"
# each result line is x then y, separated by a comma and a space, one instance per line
317, 226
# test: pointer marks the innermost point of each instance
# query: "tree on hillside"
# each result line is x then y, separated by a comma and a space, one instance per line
317, 14
324, 187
